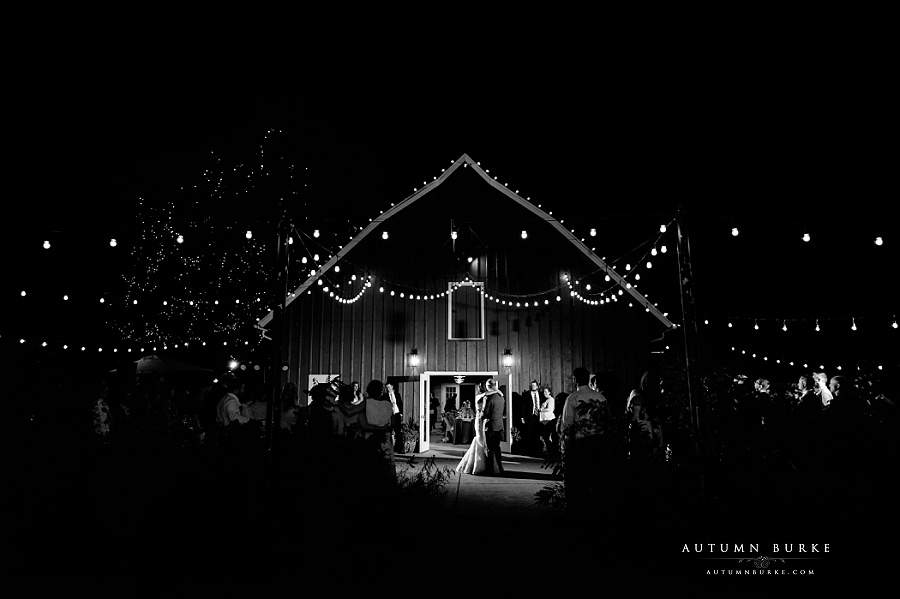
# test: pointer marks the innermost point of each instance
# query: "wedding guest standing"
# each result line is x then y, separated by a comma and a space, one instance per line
526, 418
580, 437
375, 419
547, 420
822, 389
396, 417
228, 409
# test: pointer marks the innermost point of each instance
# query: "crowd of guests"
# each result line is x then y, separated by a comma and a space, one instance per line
824, 429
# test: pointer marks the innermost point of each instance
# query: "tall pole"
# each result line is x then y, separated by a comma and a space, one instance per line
689, 314
275, 373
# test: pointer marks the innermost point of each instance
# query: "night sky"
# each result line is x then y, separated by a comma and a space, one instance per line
775, 152
108, 132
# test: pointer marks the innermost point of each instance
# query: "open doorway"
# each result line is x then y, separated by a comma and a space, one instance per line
446, 394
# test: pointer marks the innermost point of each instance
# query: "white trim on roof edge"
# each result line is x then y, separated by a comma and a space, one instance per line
464, 159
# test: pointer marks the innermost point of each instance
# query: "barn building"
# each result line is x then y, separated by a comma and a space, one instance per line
462, 281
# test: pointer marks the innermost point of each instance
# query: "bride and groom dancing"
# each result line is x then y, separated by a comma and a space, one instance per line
483, 455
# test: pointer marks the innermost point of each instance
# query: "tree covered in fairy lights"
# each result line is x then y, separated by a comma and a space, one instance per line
201, 265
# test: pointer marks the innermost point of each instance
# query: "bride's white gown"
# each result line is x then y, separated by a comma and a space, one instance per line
473, 462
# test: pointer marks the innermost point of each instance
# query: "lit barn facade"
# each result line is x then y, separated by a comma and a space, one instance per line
462, 281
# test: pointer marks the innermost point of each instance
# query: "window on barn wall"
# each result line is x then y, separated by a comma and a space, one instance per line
465, 311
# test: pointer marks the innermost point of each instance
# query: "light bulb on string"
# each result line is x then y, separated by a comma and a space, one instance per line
854, 325
593, 232
524, 234
46, 245
662, 228
662, 248
817, 325
895, 323
384, 235
755, 325
249, 234
784, 326
179, 239
653, 252
316, 233
734, 232
879, 241
806, 237
112, 243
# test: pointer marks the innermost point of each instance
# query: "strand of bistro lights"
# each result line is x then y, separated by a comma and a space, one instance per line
788, 362
115, 349
330, 287
851, 320
502, 299
735, 231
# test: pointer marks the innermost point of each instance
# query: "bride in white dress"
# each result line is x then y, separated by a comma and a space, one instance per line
473, 462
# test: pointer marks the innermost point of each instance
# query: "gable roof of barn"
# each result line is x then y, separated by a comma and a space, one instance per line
406, 203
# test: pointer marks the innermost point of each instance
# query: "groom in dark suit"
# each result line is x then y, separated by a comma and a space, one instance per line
493, 418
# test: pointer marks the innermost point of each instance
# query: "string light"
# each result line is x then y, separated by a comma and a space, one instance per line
663, 229
879, 241
46, 245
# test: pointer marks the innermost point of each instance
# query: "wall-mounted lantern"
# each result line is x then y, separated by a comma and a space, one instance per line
414, 358
507, 357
